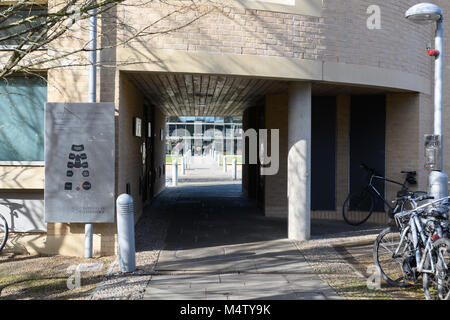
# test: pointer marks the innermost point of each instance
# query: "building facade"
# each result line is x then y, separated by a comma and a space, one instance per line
340, 88
201, 135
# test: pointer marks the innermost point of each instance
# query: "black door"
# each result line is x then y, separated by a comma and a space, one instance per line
367, 140
323, 153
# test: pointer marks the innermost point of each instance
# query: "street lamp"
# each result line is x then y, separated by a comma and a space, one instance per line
426, 13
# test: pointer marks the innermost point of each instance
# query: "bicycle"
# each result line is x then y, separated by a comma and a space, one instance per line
359, 206
416, 246
3, 232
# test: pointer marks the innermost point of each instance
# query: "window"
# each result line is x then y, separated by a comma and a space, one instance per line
22, 101
18, 33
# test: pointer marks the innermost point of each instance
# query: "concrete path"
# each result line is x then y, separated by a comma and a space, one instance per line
219, 246
204, 171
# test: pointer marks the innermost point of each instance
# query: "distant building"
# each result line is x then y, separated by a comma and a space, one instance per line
201, 134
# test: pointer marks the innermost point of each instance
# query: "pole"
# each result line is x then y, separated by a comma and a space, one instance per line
183, 165
438, 180
125, 233
234, 169
438, 79
174, 172
92, 92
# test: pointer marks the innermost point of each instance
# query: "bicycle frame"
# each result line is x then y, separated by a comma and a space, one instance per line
372, 177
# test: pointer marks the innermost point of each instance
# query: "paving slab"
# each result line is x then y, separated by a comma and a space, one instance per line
220, 246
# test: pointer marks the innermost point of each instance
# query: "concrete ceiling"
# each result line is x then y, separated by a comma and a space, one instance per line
214, 95
204, 95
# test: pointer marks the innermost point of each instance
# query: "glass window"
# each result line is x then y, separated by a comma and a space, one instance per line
16, 34
172, 128
22, 102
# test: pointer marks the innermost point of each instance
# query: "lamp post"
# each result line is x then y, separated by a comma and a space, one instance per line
426, 13
92, 93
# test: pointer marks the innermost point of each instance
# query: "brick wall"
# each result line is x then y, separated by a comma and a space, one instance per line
131, 103
160, 152
275, 193
340, 35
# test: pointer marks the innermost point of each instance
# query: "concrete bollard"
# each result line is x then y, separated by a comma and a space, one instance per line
218, 159
174, 173
125, 233
234, 171
183, 165
224, 162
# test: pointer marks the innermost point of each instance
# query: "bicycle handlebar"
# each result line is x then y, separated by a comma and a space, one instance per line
422, 207
367, 168
411, 197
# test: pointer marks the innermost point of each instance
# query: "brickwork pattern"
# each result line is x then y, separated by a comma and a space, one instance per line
341, 35
275, 193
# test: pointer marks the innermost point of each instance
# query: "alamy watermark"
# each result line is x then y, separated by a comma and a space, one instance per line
374, 280
374, 19
261, 150
74, 280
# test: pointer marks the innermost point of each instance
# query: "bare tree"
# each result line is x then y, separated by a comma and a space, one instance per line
32, 33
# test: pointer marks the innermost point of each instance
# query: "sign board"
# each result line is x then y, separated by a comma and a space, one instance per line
79, 162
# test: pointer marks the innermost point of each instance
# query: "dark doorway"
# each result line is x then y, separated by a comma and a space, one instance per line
323, 153
367, 140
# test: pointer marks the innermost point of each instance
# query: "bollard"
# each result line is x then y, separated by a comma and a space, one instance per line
183, 165
218, 159
174, 173
234, 171
125, 233
224, 162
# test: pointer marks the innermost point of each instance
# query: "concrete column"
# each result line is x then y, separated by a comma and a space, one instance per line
183, 165
299, 161
174, 173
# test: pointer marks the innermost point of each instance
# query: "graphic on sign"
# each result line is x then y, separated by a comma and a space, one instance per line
79, 162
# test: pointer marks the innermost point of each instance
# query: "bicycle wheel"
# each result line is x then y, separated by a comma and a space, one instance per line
392, 268
3, 232
437, 286
358, 207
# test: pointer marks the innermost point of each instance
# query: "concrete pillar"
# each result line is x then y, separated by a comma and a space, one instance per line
299, 161
183, 165
174, 173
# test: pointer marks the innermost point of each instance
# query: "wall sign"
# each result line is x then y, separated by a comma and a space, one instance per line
137, 125
79, 162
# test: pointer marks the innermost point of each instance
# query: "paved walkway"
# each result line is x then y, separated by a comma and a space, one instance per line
204, 171
219, 246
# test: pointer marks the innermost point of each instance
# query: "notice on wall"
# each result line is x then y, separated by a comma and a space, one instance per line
79, 162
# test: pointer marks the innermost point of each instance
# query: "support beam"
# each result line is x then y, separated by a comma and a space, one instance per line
299, 161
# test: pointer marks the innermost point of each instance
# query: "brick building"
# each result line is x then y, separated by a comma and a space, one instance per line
340, 92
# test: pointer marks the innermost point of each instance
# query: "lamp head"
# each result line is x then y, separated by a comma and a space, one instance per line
424, 13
